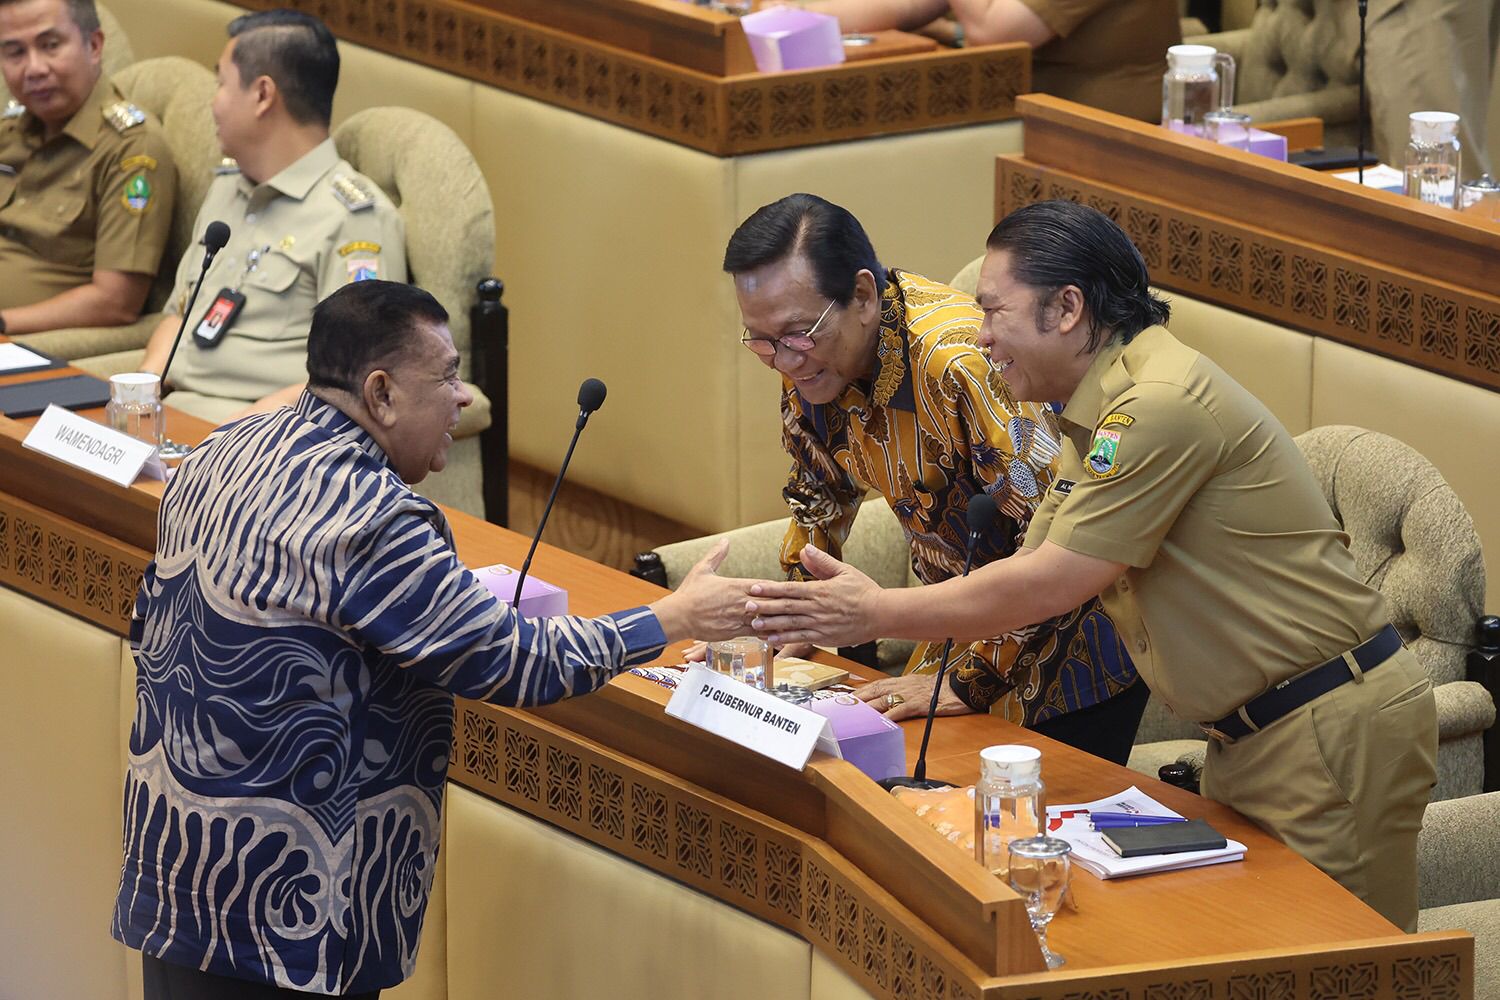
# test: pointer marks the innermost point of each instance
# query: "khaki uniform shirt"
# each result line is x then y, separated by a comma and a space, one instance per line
1108, 54
308, 231
96, 197
1239, 575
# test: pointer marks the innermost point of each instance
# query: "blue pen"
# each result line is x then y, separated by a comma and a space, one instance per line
1111, 821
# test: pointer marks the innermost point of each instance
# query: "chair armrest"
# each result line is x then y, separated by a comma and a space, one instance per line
1456, 857
90, 341
1335, 105
1463, 708
754, 551
1232, 42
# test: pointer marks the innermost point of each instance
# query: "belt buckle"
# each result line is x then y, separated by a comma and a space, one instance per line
1215, 734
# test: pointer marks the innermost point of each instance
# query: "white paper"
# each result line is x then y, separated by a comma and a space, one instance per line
14, 357
750, 717
1379, 176
92, 447
1093, 855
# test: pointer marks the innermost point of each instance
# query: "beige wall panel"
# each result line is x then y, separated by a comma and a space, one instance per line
831, 982
1274, 363
927, 201
191, 28
609, 244
535, 912
370, 79
1452, 423
60, 819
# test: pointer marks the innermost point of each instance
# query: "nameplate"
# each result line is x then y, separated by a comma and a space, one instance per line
92, 447
750, 718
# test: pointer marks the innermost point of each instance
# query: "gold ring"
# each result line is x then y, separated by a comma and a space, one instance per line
892, 700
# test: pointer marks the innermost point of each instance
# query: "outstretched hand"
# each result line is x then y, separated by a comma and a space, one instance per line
705, 604
838, 608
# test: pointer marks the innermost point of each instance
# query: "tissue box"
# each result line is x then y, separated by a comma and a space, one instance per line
1267, 144
791, 38
539, 599
867, 739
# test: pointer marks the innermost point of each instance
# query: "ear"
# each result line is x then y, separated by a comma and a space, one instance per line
264, 90
377, 394
95, 44
866, 297
1068, 301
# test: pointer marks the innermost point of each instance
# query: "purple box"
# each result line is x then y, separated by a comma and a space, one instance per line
792, 38
539, 599
1261, 143
867, 739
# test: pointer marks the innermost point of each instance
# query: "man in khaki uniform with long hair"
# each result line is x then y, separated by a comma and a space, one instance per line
1189, 510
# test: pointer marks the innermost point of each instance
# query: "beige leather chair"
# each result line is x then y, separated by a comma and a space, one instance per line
450, 248
178, 92
1458, 879
876, 546
1297, 59
1413, 540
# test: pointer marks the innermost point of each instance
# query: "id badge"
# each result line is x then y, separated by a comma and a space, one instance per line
219, 318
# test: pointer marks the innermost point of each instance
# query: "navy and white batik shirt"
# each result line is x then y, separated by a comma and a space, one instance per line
298, 641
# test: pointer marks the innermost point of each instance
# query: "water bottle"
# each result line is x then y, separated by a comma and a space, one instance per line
134, 406
1008, 803
1199, 79
1432, 158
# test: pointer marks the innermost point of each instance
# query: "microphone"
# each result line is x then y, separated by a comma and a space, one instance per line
1364, 9
981, 515
590, 397
214, 238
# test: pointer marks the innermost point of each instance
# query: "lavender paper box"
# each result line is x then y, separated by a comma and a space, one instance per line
867, 739
539, 599
790, 38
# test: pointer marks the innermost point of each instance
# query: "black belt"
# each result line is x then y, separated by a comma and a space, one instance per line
1298, 691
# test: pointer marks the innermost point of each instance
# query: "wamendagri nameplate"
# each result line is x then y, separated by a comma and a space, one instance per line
92, 447
751, 718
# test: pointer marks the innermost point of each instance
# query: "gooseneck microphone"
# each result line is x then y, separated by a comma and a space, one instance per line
981, 515
214, 238
590, 398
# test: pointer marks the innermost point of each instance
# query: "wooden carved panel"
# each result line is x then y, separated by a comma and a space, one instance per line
721, 115
1349, 299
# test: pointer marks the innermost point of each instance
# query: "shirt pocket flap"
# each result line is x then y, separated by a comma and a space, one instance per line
276, 272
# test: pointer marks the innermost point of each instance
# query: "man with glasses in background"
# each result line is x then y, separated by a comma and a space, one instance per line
883, 387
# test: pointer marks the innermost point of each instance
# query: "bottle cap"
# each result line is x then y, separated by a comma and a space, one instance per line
1196, 57
135, 387
1015, 765
1433, 126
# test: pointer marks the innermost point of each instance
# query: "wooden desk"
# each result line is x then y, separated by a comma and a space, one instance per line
822, 853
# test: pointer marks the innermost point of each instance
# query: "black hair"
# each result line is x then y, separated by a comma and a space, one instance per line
1058, 243
83, 13
829, 237
364, 326
295, 50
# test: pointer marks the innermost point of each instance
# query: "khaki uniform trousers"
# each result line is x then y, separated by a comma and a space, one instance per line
1343, 781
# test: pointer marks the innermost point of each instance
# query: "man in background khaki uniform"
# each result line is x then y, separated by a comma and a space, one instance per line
1190, 511
303, 223
86, 179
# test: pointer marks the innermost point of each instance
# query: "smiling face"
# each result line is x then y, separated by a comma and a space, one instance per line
1035, 340
419, 405
236, 105
782, 299
49, 64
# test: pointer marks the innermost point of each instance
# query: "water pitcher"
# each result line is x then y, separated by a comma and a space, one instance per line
1199, 79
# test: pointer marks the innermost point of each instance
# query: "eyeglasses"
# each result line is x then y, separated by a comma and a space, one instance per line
798, 342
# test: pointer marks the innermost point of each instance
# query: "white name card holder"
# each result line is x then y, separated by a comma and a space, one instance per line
92, 447
751, 718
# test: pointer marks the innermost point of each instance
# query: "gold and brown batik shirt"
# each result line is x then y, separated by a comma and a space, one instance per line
933, 426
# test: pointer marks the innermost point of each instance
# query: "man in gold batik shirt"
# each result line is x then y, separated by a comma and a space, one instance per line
888, 391
86, 179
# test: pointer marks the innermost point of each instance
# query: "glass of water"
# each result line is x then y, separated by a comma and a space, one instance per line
747, 659
1039, 870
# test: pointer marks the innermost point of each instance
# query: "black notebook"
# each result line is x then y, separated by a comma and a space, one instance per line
1164, 838
73, 392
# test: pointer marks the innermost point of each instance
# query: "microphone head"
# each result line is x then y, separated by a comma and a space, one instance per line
591, 395
216, 236
981, 513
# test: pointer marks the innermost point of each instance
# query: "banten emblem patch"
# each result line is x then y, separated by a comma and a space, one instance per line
1100, 460
137, 196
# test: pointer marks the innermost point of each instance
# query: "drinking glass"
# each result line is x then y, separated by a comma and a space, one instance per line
747, 659
1039, 870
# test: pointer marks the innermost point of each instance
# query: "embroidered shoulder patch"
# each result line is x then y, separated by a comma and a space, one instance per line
359, 245
1123, 419
141, 162
137, 195
1100, 460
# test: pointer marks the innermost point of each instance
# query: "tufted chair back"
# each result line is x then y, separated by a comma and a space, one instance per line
178, 92
117, 51
435, 182
1410, 536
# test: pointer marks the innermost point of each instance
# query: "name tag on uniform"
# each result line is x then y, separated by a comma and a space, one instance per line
1064, 486
220, 317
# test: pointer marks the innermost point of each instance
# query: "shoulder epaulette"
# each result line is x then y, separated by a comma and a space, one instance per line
227, 166
14, 109
355, 192
123, 116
